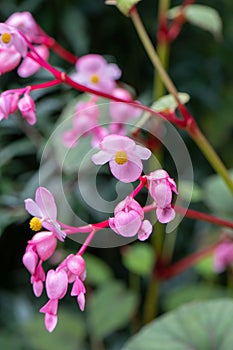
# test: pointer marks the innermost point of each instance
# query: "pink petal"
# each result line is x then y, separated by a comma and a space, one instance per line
76, 265
29, 66
30, 260
165, 215
33, 208
127, 172
90, 63
45, 244
113, 71
9, 59
145, 230
70, 138
115, 143
162, 194
38, 288
127, 224
142, 152
46, 203
81, 301
50, 322
50, 307
102, 157
56, 284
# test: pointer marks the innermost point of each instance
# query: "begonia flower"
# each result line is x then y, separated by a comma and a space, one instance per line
123, 155
128, 220
27, 24
94, 71
44, 208
10, 37
161, 187
223, 256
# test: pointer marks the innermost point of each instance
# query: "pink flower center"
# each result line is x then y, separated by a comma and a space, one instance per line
6, 38
35, 224
121, 157
95, 79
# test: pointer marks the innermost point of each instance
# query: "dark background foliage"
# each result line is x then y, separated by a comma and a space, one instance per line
199, 65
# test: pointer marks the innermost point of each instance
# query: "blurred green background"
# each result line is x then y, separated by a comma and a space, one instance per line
200, 66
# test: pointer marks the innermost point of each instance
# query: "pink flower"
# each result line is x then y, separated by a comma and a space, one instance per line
44, 208
8, 104
123, 155
27, 24
10, 37
9, 59
128, 220
27, 108
161, 187
223, 256
50, 311
29, 66
84, 122
123, 112
94, 71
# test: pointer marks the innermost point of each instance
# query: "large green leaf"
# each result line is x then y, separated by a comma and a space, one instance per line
200, 325
110, 308
139, 258
126, 5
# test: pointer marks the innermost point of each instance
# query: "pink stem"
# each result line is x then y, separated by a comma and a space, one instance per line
86, 243
52, 44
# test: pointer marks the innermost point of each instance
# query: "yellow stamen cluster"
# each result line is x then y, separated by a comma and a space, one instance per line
6, 38
35, 224
95, 79
121, 157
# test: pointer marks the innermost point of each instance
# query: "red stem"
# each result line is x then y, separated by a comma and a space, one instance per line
53, 45
164, 273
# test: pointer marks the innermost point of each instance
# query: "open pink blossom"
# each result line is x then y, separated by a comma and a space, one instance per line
10, 37
94, 71
161, 187
128, 220
27, 108
29, 66
223, 256
123, 155
45, 209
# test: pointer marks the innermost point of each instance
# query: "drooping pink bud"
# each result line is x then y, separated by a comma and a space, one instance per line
76, 265
56, 284
45, 243
50, 322
38, 288
27, 108
30, 260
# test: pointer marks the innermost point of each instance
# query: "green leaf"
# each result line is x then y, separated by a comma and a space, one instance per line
184, 191
217, 196
202, 16
168, 102
139, 258
98, 271
205, 267
200, 325
110, 308
126, 5
192, 292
